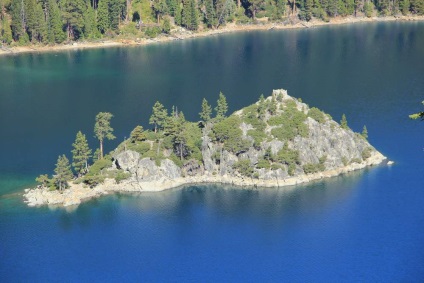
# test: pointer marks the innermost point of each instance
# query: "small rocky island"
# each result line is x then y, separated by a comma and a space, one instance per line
278, 141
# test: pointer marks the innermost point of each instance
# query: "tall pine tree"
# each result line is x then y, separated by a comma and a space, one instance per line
81, 153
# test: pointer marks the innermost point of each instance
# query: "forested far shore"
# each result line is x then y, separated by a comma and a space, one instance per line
26, 22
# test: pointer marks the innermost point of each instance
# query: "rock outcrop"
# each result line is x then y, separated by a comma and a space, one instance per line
324, 149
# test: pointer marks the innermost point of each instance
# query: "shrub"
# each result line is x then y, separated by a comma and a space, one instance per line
229, 133
121, 175
311, 168
366, 153
263, 163
244, 167
317, 115
141, 148
152, 32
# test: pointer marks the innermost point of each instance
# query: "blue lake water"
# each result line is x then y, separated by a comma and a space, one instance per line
365, 226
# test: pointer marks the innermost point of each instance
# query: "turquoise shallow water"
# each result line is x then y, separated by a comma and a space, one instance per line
367, 226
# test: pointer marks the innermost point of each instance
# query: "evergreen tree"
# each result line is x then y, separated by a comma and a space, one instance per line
255, 6
18, 14
63, 172
205, 115
90, 24
43, 180
103, 130
55, 33
364, 133
137, 134
262, 107
210, 16
178, 14
343, 122
273, 106
166, 25
308, 10
160, 8
194, 23
175, 129
222, 107
6, 32
159, 116
186, 14
280, 8
103, 22
73, 16
114, 14
172, 6
80, 154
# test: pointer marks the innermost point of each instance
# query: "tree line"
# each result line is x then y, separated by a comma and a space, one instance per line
56, 21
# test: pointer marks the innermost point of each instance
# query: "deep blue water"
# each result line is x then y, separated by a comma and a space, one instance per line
367, 226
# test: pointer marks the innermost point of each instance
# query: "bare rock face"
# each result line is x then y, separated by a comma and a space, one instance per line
145, 169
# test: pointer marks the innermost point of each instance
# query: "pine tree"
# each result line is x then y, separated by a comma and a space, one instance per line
186, 14
103, 20
211, 20
160, 8
364, 133
73, 16
205, 115
41, 26
80, 154
222, 107
194, 23
63, 172
178, 14
137, 134
261, 106
308, 10
90, 25
55, 26
18, 24
102, 129
6, 32
114, 14
159, 115
172, 6
273, 106
343, 122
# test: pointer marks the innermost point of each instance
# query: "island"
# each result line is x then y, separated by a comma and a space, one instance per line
278, 141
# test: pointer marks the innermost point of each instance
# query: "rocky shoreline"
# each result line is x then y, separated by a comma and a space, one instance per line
77, 193
181, 34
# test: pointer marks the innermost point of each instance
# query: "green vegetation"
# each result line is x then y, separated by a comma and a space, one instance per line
81, 153
364, 133
102, 129
63, 172
343, 122
171, 137
290, 123
244, 167
317, 115
366, 153
206, 113
228, 133
221, 108
55, 21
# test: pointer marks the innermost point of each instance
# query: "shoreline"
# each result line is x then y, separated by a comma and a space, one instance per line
78, 193
8, 51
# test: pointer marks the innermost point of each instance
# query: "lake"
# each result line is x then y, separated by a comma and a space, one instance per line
364, 226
